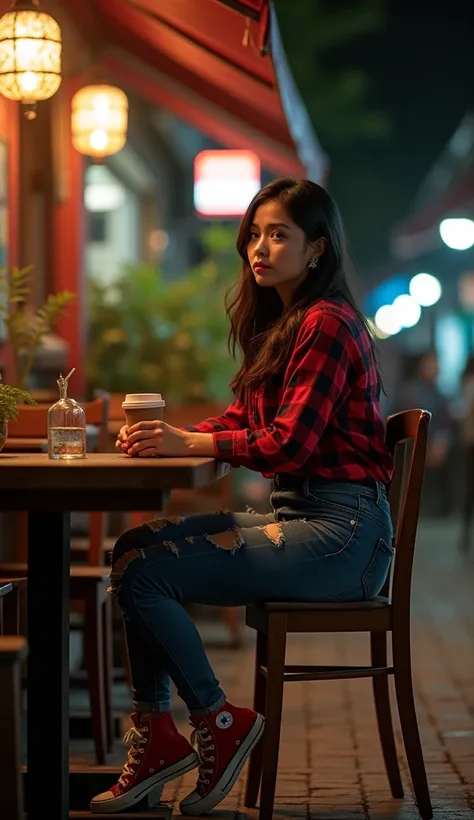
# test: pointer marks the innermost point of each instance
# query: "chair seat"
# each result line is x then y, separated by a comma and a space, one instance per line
83, 579
12, 649
289, 606
16, 583
90, 573
85, 572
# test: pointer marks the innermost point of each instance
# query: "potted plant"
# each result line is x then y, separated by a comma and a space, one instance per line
10, 398
26, 327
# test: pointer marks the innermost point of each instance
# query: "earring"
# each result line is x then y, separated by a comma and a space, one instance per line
314, 263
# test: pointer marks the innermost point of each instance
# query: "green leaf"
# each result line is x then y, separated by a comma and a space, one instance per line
26, 329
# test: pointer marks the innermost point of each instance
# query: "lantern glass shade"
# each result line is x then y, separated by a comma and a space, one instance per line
99, 120
30, 56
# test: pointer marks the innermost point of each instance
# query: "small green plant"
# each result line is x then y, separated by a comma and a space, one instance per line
26, 329
10, 398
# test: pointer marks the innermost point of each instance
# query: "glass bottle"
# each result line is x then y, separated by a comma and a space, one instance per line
66, 425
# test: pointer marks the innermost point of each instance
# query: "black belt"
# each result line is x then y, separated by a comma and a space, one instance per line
286, 481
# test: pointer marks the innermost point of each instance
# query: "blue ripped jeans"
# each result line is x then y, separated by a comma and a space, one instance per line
330, 541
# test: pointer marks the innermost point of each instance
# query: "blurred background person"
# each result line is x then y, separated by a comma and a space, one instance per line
467, 439
419, 388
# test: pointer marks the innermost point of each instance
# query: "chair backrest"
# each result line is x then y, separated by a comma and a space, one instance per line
406, 437
32, 422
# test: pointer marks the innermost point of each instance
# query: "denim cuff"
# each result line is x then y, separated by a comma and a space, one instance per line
210, 709
143, 707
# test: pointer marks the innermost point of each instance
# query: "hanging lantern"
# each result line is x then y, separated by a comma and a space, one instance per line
99, 120
30, 54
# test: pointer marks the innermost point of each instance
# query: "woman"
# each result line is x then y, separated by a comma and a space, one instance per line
306, 413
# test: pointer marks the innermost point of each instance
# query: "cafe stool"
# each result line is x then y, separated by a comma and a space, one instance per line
388, 613
89, 585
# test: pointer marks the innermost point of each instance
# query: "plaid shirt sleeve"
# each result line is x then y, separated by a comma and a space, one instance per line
235, 417
317, 380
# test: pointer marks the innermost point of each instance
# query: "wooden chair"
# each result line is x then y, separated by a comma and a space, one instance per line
12, 654
88, 583
13, 607
6, 588
388, 613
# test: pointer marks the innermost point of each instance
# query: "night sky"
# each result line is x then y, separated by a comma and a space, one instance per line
422, 71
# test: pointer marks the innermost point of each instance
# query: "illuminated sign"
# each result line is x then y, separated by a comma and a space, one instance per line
225, 182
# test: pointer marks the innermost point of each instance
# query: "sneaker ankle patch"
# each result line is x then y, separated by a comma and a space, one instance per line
224, 720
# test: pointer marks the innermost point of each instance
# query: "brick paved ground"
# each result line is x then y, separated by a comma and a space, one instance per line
330, 761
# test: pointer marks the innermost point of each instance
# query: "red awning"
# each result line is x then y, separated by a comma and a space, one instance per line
209, 62
420, 233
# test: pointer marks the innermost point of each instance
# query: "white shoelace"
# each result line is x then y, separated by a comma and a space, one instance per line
200, 739
133, 738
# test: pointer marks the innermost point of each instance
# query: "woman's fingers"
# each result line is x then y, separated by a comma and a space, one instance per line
144, 425
148, 453
141, 435
148, 443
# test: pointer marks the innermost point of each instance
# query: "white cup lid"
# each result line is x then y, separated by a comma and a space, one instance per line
135, 401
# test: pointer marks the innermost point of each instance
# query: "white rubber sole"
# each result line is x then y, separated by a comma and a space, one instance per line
194, 804
152, 787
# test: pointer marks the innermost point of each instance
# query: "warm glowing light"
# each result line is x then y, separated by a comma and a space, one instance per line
99, 120
30, 54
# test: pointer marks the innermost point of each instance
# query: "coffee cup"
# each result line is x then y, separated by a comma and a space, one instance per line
143, 407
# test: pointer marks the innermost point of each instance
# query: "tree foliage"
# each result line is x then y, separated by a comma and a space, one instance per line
317, 36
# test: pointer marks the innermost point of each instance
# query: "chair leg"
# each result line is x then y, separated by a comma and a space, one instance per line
277, 623
378, 650
93, 657
10, 612
254, 772
107, 641
11, 797
231, 616
408, 720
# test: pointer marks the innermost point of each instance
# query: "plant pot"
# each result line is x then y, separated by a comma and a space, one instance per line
3, 434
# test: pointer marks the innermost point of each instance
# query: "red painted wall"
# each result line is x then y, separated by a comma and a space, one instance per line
68, 228
9, 135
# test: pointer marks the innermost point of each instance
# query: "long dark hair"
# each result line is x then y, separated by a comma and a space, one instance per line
264, 330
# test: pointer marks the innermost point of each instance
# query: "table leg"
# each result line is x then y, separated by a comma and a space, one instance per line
48, 665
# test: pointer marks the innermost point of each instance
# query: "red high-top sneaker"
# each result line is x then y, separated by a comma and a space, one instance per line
224, 740
157, 754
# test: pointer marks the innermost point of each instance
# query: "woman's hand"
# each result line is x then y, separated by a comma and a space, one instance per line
122, 439
153, 438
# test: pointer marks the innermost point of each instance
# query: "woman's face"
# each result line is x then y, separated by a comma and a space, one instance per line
278, 251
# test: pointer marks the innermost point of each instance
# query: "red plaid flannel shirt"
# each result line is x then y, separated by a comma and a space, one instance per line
322, 419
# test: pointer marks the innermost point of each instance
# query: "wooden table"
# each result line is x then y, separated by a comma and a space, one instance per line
50, 491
